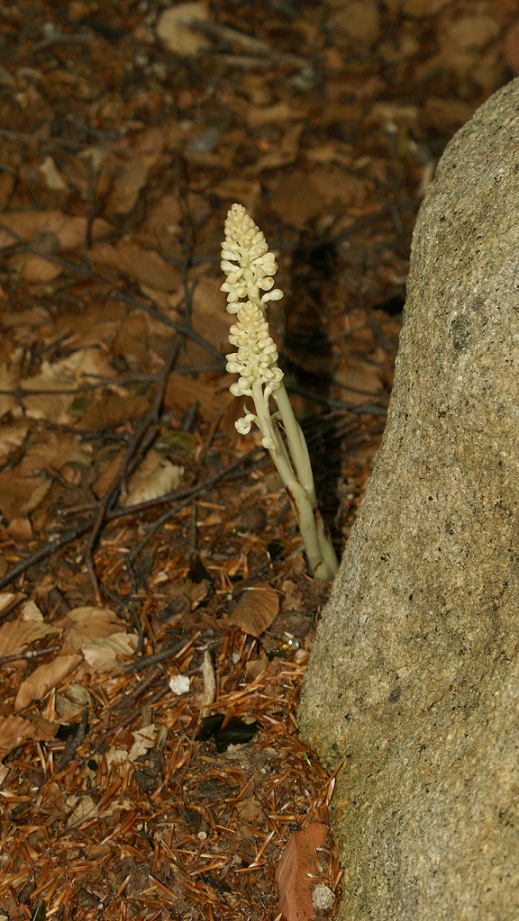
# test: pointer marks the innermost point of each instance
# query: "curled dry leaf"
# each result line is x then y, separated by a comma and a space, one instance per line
47, 676
256, 610
294, 869
208, 675
144, 739
100, 635
10, 380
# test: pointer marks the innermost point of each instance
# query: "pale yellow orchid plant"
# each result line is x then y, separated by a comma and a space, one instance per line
250, 268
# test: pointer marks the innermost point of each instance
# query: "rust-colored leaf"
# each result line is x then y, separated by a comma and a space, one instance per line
294, 869
256, 610
40, 682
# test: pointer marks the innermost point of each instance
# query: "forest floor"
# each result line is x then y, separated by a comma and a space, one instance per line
156, 613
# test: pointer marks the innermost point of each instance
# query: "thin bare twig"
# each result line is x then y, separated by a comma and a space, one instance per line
59, 541
84, 272
73, 743
254, 45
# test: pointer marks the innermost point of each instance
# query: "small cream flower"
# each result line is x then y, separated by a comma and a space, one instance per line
257, 355
246, 261
256, 363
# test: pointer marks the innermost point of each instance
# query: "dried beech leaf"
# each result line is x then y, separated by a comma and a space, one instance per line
31, 612
180, 392
102, 656
113, 410
145, 266
48, 676
144, 740
254, 668
63, 374
81, 808
68, 232
11, 436
154, 477
14, 731
89, 625
18, 634
33, 268
173, 27
292, 873
8, 601
208, 675
21, 493
44, 729
256, 610
107, 476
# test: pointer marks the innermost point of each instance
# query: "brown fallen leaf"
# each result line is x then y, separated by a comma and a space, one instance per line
155, 476
47, 676
33, 268
145, 266
68, 232
18, 634
10, 380
44, 730
256, 610
180, 392
89, 625
100, 636
14, 731
84, 364
103, 655
11, 437
113, 410
173, 27
8, 601
108, 474
20, 492
24, 487
293, 872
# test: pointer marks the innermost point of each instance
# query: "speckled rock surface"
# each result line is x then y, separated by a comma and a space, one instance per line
413, 681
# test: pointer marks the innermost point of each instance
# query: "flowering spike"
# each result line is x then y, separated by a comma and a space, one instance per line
250, 269
246, 261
